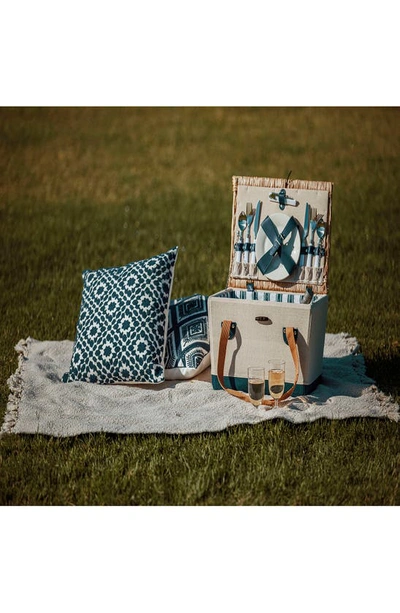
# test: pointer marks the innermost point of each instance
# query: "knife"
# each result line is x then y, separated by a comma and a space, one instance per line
256, 226
257, 219
305, 234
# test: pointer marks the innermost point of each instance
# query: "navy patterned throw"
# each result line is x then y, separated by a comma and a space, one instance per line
122, 327
188, 347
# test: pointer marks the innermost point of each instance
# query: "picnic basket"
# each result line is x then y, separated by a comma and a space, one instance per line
277, 290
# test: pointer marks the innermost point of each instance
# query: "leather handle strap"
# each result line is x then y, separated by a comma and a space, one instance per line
225, 331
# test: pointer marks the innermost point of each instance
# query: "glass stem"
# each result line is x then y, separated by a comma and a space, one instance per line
276, 403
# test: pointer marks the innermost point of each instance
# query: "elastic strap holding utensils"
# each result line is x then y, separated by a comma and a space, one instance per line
225, 332
276, 250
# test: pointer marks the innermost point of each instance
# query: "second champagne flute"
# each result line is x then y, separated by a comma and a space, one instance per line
276, 379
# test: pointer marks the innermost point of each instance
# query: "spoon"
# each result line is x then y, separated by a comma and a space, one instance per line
237, 265
321, 228
242, 223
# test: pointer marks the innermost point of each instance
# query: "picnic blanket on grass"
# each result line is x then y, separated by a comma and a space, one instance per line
40, 402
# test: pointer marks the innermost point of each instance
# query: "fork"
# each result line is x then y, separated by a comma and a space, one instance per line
246, 253
250, 215
313, 226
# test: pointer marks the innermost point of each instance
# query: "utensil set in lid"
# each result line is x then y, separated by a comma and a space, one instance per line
279, 245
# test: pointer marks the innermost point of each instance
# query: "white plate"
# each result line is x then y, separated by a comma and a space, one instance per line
291, 245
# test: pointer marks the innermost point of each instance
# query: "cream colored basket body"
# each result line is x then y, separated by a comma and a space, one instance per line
262, 311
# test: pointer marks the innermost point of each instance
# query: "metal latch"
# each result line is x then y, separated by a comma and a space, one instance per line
295, 334
232, 330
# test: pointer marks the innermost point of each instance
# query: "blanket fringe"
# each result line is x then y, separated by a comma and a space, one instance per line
15, 384
389, 407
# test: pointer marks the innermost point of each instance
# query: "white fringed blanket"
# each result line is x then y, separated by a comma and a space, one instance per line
40, 402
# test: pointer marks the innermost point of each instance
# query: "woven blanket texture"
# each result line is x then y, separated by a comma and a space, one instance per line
40, 402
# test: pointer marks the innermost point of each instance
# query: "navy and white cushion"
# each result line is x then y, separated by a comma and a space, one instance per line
188, 345
122, 327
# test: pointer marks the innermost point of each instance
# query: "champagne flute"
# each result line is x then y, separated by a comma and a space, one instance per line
256, 379
276, 379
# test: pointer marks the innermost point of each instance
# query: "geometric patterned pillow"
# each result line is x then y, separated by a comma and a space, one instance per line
122, 327
188, 345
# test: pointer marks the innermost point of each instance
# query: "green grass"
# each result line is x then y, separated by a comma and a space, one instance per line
268, 464
83, 188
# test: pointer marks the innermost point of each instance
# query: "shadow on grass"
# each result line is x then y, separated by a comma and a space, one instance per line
386, 374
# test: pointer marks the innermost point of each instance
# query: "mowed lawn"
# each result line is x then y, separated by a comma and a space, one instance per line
91, 187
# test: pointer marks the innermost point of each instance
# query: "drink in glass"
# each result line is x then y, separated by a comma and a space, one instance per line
276, 379
256, 379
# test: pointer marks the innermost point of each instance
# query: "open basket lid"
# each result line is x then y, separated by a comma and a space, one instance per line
291, 239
